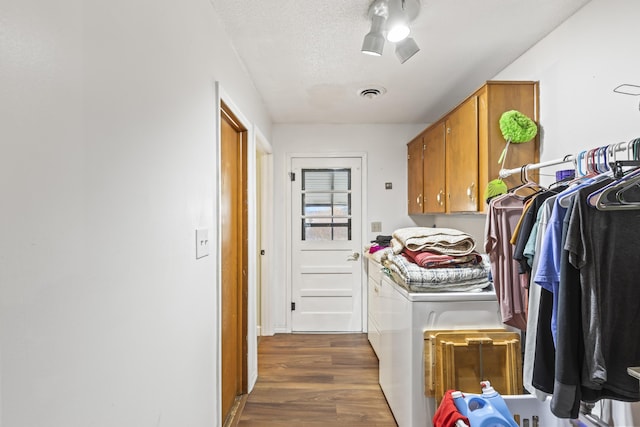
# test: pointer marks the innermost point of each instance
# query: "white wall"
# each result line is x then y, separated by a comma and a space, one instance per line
107, 167
386, 148
473, 224
578, 65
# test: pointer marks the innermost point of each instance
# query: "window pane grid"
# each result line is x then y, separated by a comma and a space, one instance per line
326, 230
326, 204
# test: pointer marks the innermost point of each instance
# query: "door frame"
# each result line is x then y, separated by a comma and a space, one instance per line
265, 216
363, 224
254, 137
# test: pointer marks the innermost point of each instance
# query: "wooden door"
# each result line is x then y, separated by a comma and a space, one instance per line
326, 229
462, 157
434, 169
415, 176
234, 260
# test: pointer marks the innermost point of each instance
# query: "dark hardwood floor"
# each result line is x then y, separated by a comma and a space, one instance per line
316, 380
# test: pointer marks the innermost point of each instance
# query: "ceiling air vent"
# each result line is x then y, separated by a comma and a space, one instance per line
371, 92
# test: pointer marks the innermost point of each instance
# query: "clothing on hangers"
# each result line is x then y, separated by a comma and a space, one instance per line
597, 304
580, 344
548, 274
503, 214
528, 220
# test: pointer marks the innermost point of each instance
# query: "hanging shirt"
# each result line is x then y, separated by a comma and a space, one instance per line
545, 373
502, 217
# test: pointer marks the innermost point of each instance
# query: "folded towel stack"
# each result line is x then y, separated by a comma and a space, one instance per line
436, 259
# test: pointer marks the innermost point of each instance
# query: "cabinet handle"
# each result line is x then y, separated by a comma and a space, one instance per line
439, 197
470, 191
419, 199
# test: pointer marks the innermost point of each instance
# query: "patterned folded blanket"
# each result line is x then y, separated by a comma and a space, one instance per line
468, 286
437, 278
427, 259
440, 240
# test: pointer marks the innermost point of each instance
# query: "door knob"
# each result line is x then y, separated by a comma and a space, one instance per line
353, 257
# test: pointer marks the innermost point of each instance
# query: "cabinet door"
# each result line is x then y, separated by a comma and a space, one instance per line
414, 176
434, 195
462, 157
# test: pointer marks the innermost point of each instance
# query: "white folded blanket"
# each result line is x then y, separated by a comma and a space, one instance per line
440, 240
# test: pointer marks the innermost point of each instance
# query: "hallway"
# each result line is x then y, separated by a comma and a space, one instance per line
316, 380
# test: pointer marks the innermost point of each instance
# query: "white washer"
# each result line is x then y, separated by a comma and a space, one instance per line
401, 319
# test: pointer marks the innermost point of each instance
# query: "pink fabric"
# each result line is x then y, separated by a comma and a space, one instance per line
375, 248
427, 259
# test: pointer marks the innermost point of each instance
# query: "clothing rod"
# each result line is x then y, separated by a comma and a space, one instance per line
508, 172
622, 146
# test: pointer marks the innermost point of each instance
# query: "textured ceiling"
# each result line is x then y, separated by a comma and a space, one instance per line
304, 56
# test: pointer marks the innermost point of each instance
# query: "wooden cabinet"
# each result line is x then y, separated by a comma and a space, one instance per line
414, 174
426, 171
434, 169
460, 151
462, 157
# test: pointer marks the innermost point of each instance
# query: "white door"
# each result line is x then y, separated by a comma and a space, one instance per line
326, 233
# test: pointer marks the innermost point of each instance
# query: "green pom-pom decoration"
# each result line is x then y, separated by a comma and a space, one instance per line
494, 188
517, 128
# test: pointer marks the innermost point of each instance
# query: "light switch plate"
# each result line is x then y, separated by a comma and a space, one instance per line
202, 242
376, 227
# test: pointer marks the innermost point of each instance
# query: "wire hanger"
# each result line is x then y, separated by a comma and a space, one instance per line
628, 89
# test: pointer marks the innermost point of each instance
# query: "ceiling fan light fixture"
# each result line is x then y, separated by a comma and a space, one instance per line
398, 21
390, 20
373, 42
406, 49
398, 32
372, 45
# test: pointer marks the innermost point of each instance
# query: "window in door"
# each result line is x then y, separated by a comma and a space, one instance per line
326, 204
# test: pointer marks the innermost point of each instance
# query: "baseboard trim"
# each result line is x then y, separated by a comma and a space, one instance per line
233, 419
